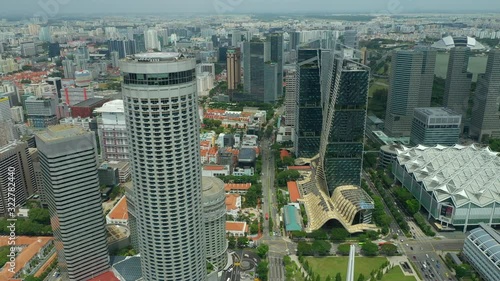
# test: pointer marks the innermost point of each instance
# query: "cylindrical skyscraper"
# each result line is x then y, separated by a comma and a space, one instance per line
214, 212
161, 111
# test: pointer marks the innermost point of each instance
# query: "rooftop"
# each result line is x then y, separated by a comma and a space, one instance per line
449, 42
120, 210
464, 174
114, 106
32, 246
293, 190
89, 102
61, 131
231, 200
237, 186
436, 111
291, 222
211, 185
236, 226
214, 167
129, 269
107, 276
155, 57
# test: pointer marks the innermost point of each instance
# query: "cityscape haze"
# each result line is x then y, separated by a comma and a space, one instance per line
233, 140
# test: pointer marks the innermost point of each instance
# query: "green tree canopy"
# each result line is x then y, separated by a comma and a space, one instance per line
343, 249
262, 250
388, 249
369, 248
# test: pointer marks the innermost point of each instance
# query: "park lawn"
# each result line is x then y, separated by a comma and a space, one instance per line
332, 265
396, 274
374, 87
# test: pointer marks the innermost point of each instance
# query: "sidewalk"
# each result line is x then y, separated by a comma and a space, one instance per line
296, 260
396, 260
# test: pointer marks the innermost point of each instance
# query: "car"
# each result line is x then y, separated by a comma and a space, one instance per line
411, 248
401, 240
414, 257
427, 255
230, 269
407, 245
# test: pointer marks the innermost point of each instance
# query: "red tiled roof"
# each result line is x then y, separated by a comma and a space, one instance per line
120, 211
231, 201
107, 276
213, 151
299, 168
236, 226
214, 168
33, 247
237, 186
284, 153
293, 190
203, 152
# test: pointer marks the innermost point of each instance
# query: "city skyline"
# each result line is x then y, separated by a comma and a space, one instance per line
254, 6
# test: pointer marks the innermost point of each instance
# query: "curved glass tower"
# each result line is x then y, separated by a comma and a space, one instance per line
159, 93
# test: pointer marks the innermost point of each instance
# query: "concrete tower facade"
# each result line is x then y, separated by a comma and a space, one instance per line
214, 214
458, 81
485, 120
68, 158
411, 74
233, 68
161, 112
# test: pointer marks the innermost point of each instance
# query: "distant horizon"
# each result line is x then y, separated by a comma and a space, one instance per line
297, 14
57, 8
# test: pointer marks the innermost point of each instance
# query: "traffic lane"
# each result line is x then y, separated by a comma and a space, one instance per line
430, 267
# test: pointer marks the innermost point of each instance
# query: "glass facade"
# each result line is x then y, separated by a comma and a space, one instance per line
309, 114
343, 152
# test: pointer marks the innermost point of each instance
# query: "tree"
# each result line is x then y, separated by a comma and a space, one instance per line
369, 248
242, 242
413, 206
231, 242
262, 250
388, 249
344, 249
321, 248
338, 277
40, 216
361, 277
328, 278
288, 161
339, 234
262, 270
319, 234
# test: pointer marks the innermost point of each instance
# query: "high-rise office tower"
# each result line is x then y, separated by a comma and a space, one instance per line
435, 125
17, 168
161, 112
276, 45
351, 39
308, 110
294, 39
458, 81
235, 38
270, 84
5, 113
68, 157
123, 47
344, 115
214, 215
151, 40
44, 34
256, 64
409, 71
233, 68
69, 68
485, 121
427, 75
290, 96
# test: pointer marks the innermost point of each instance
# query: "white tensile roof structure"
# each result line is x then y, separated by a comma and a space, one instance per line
463, 173
449, 42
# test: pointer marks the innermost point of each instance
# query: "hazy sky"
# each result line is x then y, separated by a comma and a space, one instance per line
243, 6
